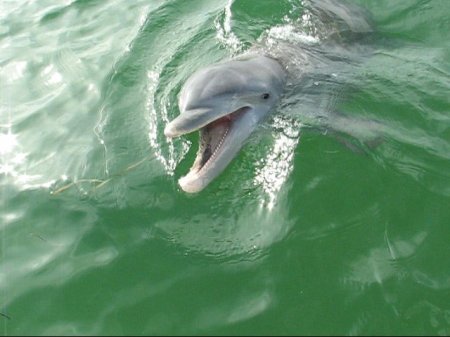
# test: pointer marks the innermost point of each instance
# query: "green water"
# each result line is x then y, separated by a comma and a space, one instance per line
299, 235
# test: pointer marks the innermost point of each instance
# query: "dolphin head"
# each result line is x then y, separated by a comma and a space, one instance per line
225, 102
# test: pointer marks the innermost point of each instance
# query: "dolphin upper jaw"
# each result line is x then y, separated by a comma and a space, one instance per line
170, 132
189, 121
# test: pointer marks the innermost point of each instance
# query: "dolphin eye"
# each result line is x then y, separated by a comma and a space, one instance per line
265, 96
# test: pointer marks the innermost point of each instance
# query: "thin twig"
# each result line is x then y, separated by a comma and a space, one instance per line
99, 182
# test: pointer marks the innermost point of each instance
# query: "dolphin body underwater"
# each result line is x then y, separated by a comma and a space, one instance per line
226, 101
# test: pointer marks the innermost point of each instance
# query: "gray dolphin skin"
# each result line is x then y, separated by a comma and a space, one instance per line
225, 102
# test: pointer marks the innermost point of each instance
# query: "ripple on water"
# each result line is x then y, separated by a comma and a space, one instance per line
39, 250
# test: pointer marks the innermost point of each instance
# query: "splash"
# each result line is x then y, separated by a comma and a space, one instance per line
224, 33
290, 33
278, 164
169, 160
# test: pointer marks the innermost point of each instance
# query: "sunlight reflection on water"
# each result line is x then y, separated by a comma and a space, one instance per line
279, 162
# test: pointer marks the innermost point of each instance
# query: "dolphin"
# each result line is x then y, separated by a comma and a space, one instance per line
225, 102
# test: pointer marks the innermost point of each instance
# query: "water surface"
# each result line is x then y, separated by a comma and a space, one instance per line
306, 232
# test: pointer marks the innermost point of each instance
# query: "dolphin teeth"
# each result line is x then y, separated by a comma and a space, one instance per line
209, 154
194, 181
212, 137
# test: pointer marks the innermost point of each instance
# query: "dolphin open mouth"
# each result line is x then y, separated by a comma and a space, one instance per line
213, 152
212, 138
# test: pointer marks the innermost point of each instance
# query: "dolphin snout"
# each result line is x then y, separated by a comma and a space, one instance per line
170, 131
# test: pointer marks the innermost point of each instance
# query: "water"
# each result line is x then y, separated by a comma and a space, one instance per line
306, 232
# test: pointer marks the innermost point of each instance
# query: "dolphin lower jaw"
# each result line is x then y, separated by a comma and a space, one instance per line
217, 147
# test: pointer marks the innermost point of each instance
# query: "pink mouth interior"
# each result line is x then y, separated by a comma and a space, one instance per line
212, 137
